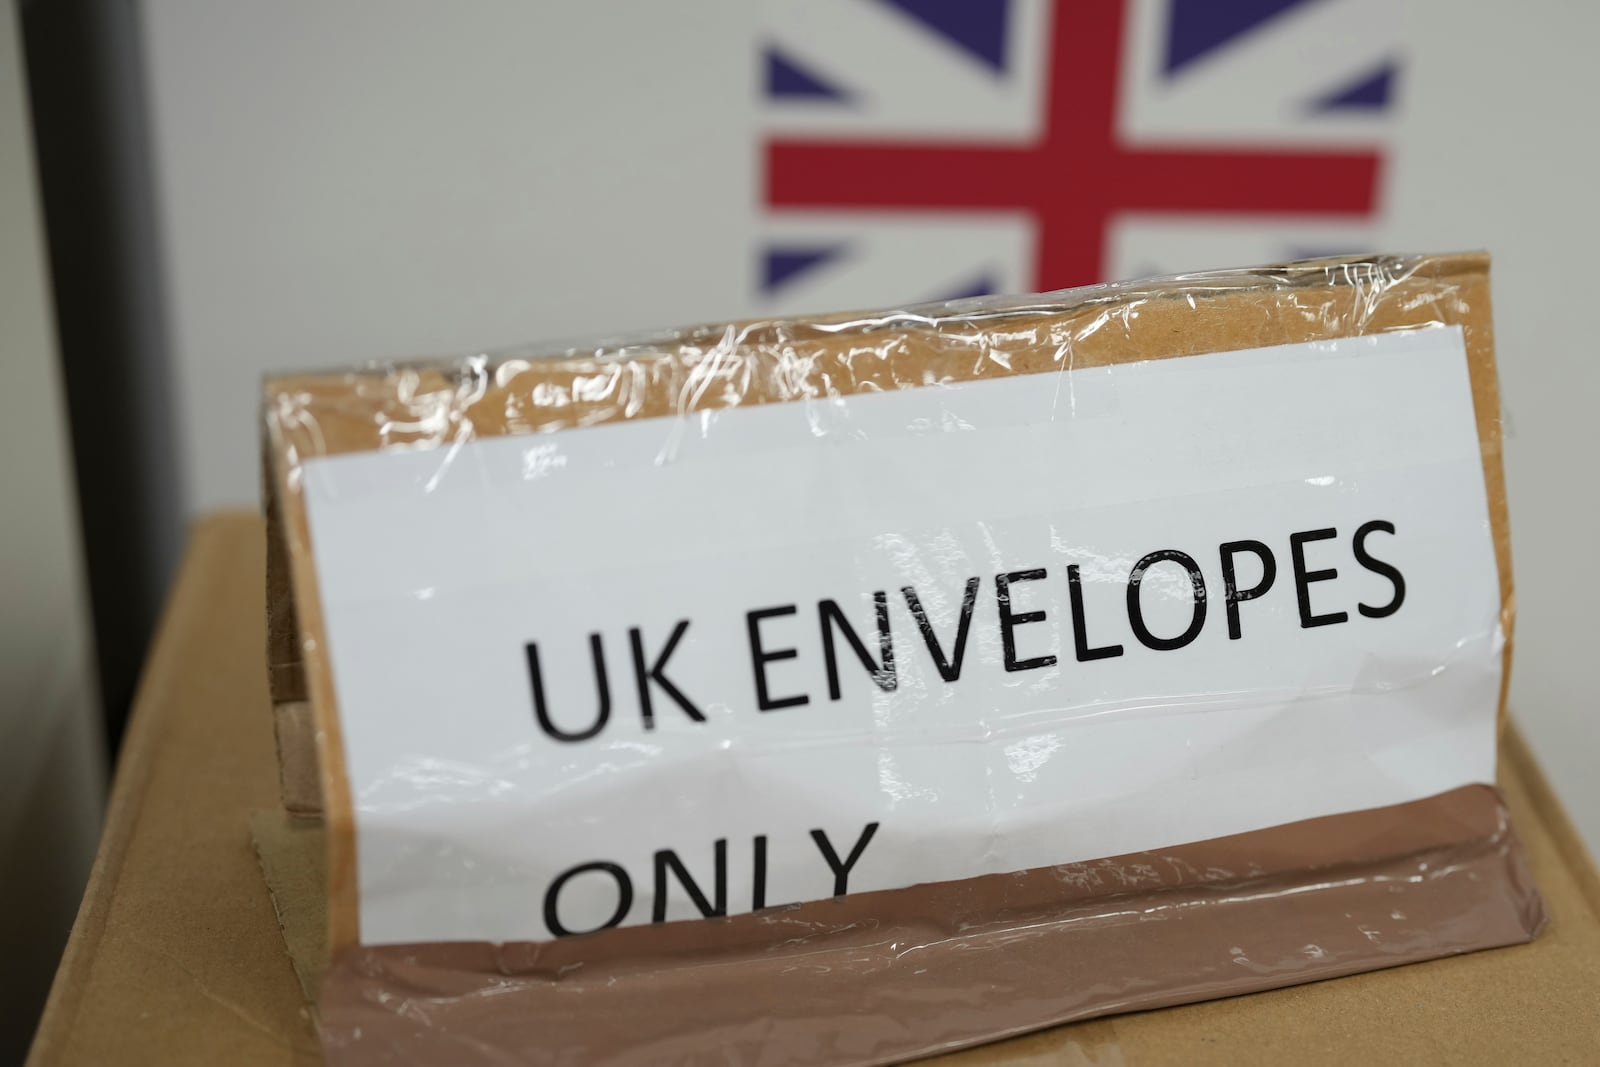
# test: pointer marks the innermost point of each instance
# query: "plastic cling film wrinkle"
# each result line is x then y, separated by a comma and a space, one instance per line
786, 359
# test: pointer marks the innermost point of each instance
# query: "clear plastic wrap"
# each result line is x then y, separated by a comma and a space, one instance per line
840, 690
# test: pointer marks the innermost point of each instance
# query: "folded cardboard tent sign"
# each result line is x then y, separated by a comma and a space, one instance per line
840, 690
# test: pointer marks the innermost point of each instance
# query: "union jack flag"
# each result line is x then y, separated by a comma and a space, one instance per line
930, 149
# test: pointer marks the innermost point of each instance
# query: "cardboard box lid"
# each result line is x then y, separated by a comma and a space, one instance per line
177, 958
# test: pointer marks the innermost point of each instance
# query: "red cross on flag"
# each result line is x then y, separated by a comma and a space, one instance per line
1094, 127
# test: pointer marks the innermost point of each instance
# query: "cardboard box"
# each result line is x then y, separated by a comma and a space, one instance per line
177, 957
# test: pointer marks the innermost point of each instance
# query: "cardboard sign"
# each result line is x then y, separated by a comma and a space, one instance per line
652, 671
796, 609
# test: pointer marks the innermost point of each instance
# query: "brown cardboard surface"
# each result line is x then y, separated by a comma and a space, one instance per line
177, 958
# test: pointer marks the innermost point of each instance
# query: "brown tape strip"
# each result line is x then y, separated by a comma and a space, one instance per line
881, 977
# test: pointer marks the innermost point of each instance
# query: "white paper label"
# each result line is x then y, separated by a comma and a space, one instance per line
730, 559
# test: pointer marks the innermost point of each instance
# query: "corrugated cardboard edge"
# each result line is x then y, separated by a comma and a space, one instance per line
292, 853
294, 722
288, 534
1187, 315
294, 728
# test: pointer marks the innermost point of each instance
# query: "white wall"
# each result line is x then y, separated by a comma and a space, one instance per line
1499, 151
358, 180
51, 765
362, 179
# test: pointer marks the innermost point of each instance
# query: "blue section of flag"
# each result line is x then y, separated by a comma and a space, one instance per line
981, 285
1369, 92
1200, 27
977, 27
788, 78
781, 264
